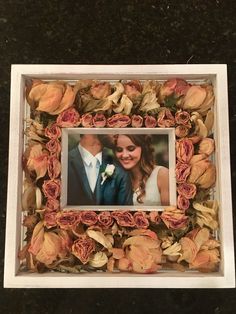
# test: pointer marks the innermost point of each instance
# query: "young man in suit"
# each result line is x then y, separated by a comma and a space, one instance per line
85, 186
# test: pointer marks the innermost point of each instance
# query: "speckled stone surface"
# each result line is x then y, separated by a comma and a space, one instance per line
114, 32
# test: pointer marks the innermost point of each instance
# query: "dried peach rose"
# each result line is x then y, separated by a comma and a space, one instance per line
83, 247
100, 90
206, 146
184, 150
174, 218
206, 261
38, 160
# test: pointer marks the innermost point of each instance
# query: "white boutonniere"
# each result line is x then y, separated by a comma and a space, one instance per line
107, 173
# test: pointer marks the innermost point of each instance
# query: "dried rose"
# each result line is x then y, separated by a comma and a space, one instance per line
99, 120
182, 202
53, 97
165, 118
206, 213
136, 121
141, 220
105, 219
67, 219
100, 90
174, 218
52, 188
206, 261
188, 249
50, 219
182, 171
98, 236
98, 260
89, 218
68, 118
187, 190
123, 218
53, 131
54, 147
118, 121
203, 174
175, 86
83, 247
150, 122
184, 150
206, 146
133, 89
181, 131
183, 118
37, 160
37, 238
87, 120
154, 217
54, 167
52, 205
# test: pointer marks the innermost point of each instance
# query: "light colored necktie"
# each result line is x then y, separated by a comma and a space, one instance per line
95, 164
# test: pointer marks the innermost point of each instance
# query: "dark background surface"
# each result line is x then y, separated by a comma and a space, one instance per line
113, 32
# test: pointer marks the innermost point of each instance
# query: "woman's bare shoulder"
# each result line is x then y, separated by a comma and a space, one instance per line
163, 172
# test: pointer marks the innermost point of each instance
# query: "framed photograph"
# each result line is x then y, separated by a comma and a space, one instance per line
119, 176
127, 153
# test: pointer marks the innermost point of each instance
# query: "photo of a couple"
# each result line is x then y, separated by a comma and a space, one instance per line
117, 170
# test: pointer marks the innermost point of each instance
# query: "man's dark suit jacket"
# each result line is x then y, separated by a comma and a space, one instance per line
116, 190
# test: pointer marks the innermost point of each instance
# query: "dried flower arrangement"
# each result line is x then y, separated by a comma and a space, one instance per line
180, 237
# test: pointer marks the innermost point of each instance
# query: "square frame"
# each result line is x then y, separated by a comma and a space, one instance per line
218, 76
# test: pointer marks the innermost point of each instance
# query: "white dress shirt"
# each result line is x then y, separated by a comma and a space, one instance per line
91, 165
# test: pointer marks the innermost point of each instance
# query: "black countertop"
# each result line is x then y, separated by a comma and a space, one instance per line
114, 32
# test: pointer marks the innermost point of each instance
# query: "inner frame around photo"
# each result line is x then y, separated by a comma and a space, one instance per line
70, 139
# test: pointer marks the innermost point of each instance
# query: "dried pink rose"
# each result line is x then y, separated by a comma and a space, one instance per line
68, 118
182, 202
184, 150
154, 217
174, 218
89, 217
100, 90
175, 86
187, 190
99, 120
52, 188
136, 121
53, 131
50, 219
118, 121
105, 219
54, 167
150, 122
165, 118
133, 89
52, 205
83, 247
67, 219
87, 120
123, 218
141, 221
183, 118
181, 131
54, 146
182, 171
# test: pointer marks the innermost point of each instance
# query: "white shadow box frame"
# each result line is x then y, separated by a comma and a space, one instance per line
198, 73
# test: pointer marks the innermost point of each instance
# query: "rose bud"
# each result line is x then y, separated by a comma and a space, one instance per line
118, 121
67, 219
175, 86
184, 150
150, 122
133, 89
87, 120
99, 120
183, 118
182, 202
105, 219
100, 90
182, 171
194, 98
68, 118
165, 118
53, 131
53, 97
136, 121
123, 218
206, 146
54, 147
83, 247
54, 167
52, 188
141, 220
181, 131
187, 190
89, 218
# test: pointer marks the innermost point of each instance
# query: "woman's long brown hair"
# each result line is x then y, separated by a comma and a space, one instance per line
147, 159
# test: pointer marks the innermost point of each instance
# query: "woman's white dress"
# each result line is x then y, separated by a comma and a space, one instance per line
152, 194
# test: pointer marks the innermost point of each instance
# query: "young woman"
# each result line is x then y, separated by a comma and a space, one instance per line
150, 182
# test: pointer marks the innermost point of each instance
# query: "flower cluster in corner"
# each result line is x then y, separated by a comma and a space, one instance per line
181, 237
